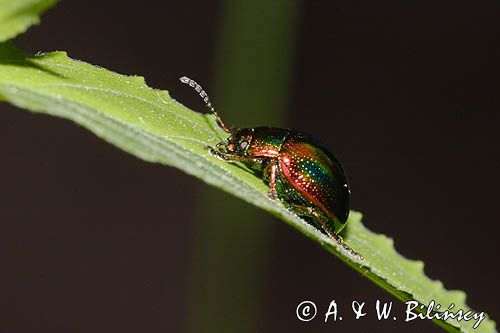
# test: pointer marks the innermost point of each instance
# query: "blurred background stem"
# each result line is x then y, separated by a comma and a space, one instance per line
255, 52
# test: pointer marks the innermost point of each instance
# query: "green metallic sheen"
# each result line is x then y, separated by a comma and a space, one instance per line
300, 170
306, 176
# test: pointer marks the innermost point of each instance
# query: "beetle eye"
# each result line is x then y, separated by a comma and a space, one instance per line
243, 144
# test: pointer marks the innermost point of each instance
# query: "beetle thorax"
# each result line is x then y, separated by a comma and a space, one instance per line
267, 142
256, 142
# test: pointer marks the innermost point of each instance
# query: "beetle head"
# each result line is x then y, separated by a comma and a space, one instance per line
238, 142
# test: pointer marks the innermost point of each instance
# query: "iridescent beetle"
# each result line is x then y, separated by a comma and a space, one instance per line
300, 170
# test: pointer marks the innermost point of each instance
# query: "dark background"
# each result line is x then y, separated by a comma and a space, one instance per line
94, 240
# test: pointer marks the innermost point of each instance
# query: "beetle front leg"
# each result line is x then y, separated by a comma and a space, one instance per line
218, 154
232, 158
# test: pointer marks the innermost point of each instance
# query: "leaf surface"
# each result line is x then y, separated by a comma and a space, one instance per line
151, 125
16, 16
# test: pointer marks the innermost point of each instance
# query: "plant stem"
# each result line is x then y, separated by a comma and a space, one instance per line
256, 47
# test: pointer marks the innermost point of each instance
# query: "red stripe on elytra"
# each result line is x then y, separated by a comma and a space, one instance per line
285, 167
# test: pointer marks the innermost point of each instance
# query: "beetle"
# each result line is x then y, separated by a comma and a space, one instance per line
299, 170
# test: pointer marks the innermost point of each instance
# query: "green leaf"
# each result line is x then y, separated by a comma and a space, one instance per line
149, 124
16, 16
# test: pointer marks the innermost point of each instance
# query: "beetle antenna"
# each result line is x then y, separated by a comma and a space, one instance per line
206, 99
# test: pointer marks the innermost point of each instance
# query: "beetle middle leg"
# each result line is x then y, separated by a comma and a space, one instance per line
271, 174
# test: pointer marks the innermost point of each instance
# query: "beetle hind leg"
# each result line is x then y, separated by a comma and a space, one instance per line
311, 212
337, 238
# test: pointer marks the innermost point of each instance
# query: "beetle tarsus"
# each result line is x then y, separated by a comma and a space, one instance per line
211, 150
337, 238
340, 241
272, 194
215, 153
